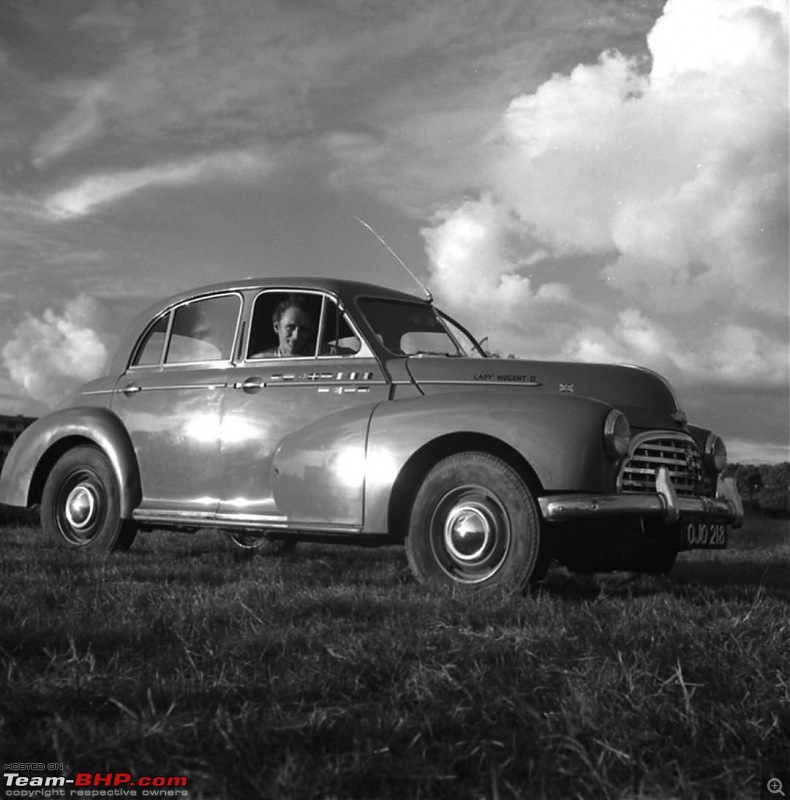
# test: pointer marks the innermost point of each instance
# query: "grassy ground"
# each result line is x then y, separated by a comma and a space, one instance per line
329, 673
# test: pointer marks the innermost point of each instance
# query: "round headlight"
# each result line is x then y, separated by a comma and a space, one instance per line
715, 453
616, 434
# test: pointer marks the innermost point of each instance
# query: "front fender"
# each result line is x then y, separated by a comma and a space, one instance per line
43, 442
560, 437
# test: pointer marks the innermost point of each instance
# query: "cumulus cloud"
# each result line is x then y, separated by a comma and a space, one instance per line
734, 353
49, 356
476, 254
632, 337
667, 180
96, 190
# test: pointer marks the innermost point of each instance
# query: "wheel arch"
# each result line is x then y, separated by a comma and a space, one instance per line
48, 460
60, 432
420, 463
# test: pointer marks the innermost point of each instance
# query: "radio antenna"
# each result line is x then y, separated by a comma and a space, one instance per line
397, 258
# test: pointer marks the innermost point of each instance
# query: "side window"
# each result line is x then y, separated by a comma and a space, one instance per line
284, 325
149, 353
337, 337
204, 330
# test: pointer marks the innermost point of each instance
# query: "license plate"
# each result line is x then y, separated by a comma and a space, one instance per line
705, 535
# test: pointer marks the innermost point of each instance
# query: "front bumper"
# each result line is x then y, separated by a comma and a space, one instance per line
665, 504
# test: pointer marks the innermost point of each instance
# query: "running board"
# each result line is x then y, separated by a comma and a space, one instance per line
253, 522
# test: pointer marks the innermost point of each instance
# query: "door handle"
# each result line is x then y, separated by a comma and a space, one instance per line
251, 385
131, 388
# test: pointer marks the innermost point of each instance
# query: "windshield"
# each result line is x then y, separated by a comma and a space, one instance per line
409, 329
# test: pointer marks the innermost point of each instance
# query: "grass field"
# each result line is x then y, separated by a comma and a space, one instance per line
328, 673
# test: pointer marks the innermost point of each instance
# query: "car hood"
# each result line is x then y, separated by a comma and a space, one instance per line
644, 396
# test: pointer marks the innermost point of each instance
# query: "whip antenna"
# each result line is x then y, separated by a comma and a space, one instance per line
397, 258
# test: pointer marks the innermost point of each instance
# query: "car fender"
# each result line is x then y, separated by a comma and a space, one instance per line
557, 439
43, 442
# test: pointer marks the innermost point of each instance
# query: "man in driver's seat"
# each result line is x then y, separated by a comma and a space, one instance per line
294, 328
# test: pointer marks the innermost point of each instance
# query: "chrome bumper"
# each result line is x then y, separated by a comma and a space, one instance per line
664, 503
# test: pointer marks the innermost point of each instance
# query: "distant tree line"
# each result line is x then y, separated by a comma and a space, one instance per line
763, 487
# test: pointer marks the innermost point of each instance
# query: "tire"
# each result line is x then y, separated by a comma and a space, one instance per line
81, 504
474, 523
251, 541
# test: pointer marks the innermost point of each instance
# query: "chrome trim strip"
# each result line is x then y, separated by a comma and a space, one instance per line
265, 521
321, 386
171, 386
468, 382
262, 520
219, 363
175, 517
321, 383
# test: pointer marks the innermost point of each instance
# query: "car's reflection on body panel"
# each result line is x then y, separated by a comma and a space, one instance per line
320, 408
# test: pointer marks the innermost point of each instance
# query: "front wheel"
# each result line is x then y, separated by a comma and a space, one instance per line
474, 523
81, 504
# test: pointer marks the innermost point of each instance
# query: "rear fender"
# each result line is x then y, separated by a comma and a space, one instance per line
41, 444
556, 442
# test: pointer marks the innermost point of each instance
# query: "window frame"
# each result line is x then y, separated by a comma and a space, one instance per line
170, 312
326, 298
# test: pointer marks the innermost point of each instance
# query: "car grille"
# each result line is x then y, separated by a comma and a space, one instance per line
679, 454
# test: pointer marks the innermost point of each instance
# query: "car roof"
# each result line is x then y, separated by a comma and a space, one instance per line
345, 289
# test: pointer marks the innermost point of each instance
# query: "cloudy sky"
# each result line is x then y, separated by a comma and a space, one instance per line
584, 179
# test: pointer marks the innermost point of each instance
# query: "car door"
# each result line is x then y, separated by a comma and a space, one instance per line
271, 399
169, 400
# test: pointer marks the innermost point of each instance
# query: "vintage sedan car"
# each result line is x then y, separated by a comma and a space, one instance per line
392, 425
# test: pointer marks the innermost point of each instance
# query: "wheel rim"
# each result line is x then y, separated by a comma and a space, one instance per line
81, 507
470, 534
246, 541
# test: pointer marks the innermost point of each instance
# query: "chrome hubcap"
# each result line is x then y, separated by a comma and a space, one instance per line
467, 532
470, 533
81, 507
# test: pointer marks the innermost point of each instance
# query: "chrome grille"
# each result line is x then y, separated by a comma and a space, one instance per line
677, 452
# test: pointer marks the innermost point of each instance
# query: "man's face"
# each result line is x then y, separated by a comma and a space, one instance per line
293, 330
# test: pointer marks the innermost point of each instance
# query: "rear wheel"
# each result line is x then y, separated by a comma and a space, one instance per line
81, 504
474, 523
